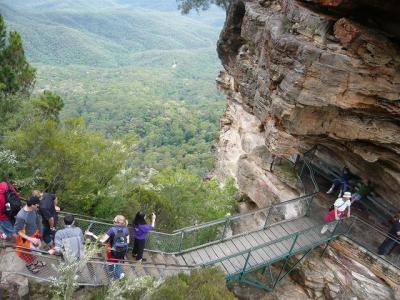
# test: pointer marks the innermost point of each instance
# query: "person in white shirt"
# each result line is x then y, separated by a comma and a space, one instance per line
341, 209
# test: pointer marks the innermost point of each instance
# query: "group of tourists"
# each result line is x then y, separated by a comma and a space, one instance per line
341, 209
31, 234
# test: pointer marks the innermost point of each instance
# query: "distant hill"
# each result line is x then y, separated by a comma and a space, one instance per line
129, 66
104, 38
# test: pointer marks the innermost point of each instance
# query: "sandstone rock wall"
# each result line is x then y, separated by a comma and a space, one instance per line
301, 73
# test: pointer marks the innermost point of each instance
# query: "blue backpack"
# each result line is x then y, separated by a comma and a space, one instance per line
119, 247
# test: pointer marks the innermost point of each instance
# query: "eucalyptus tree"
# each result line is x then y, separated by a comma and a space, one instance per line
186, 6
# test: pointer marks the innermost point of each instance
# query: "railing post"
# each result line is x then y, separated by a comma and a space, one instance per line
278, 278
330, 238
245, 264
266, 219
309, 201
351, 225
181, 241
90, 226
227, 221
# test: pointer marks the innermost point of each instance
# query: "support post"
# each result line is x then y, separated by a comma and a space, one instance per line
181, 241
294, 266
257, 284
227, 221
287, 259
270, 274
351, 225
266, 219
90, 226
330, 238
309, 201
245, 265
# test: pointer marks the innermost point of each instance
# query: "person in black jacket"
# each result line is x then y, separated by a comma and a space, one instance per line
49, 211
393, 237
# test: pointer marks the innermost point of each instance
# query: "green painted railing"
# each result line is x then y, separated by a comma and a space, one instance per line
192, 237
195, 236
295, 243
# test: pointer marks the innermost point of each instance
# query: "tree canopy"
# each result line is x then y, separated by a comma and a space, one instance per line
16, 75
186, 6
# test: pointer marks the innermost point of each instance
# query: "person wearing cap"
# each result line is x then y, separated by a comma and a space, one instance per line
27, 227
341, 209
69, 239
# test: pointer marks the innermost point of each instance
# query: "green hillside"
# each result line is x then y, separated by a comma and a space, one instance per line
129, 66
109, 38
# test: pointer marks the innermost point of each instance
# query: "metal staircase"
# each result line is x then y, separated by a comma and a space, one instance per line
278, 233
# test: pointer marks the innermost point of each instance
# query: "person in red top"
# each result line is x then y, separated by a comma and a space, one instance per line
6, 226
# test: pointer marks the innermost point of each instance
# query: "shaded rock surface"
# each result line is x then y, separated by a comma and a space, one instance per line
301, 73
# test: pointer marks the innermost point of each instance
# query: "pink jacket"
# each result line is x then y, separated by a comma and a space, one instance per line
3, 188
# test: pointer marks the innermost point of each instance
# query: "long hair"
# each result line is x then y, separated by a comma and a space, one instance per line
139, 219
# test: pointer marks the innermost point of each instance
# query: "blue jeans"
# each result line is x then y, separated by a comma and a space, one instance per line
7, 228
344, 185
115, 270
47, 233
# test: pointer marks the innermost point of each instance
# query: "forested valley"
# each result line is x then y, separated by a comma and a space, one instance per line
113, 107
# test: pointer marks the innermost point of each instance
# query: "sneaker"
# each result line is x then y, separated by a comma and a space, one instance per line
33, 269
324, 229
140, 260
122, 275
330, 190
3, 236
40, 264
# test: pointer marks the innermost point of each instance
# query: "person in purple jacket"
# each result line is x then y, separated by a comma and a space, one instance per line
140, 230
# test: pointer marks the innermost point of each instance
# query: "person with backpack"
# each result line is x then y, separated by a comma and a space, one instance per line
117, 239
48, 211
27, 227
69, 239
10, 204
140, 230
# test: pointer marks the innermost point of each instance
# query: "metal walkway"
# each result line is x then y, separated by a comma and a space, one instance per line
272, 234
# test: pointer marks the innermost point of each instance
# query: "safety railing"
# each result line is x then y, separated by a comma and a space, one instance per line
287, 246
94, 272
217, 230
371, 237
191, 237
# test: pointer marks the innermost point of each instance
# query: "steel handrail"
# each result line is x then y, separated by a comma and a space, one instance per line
235, 217
287, 237
376, 228
127, 262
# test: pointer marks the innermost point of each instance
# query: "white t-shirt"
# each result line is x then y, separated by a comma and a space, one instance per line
342, 204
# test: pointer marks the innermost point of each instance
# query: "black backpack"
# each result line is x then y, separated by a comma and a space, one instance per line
120, 243
13, 203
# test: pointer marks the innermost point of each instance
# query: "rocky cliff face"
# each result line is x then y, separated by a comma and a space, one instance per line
301, 73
